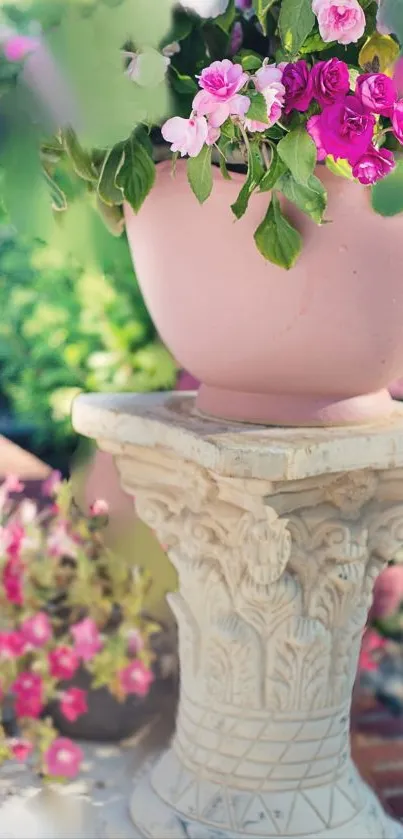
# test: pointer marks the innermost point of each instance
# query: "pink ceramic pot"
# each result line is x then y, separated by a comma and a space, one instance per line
315, 345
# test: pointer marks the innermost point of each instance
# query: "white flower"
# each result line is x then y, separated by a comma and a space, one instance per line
206, 8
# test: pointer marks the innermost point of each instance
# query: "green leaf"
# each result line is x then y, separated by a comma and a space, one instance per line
298, 151
296, 21
250, 60
276, 239
112, 218
226, 20
277, 169
108, 192
314, 43
182, 83
80, 159
200, 174
57, 196
228, 130
387, 194
258, 108
262, 7
137, 173
311, 199
253, 178
181, 27
339, 167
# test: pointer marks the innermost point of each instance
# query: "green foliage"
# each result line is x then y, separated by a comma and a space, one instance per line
200, 175
296, 21
67, 328
277, 240
298, 151
310, 198
387, 195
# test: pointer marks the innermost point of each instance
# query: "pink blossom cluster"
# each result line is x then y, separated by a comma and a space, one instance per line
221, 98
347, 125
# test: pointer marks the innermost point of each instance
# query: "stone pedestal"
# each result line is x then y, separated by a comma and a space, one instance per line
277, 536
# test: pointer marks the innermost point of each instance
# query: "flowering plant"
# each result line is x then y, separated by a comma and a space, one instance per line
66, 604
274, 86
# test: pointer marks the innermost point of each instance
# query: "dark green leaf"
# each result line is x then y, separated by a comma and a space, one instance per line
200, 174
137, 173
387, 195
181, 27
182, 83
226, 20
258, 108
277, 169
276, 239
296, 21
80, 159
311, 199
261, 8
108, 192
254, 176
298, 151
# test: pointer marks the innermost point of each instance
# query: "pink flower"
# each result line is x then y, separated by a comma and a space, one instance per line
63, 758
12, 644
52, 484
397, 120
345, 129
63, 662
19, 46
12, 484
13, 582
136, 678
87, 639
60, 543
377, 93
268, 81
213, 135
14, 535
73, 704
297, 80
374, 165
339, 20
99, 508
135, 642
204, 104
313, 129
28, 690
186, 136
21, 749
37, 630
388, 594
223, 80
371, 650
331, 81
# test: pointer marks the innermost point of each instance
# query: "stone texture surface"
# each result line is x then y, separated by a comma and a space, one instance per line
277, 536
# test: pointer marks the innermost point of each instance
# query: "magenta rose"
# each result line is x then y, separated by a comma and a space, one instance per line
313, 129
346, 129
377, 93
330, 81
297, 80
397, 120
374, 165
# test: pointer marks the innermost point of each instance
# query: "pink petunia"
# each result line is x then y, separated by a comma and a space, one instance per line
37, 630
87, 639
63, 758
63, 662
21, 749
73, 704
28, 689
13, 581
136, 678
12, 644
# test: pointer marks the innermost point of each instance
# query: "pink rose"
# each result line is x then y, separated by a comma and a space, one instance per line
374, 165
313, 129
13, 581
297, 80
63, 663
204, 104
268, 82
87, 639
99, 508
63, 758
377, 93
73, 704
136, 678
186, 136
223, 80
339, 20
21, 749
397, 120
37, 630
345, 129
330, 81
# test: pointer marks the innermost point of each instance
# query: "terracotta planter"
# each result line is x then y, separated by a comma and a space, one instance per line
318, 344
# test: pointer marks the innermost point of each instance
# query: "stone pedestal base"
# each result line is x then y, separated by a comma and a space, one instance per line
277, 536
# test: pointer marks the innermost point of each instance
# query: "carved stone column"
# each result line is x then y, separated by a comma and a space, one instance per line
277, 536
